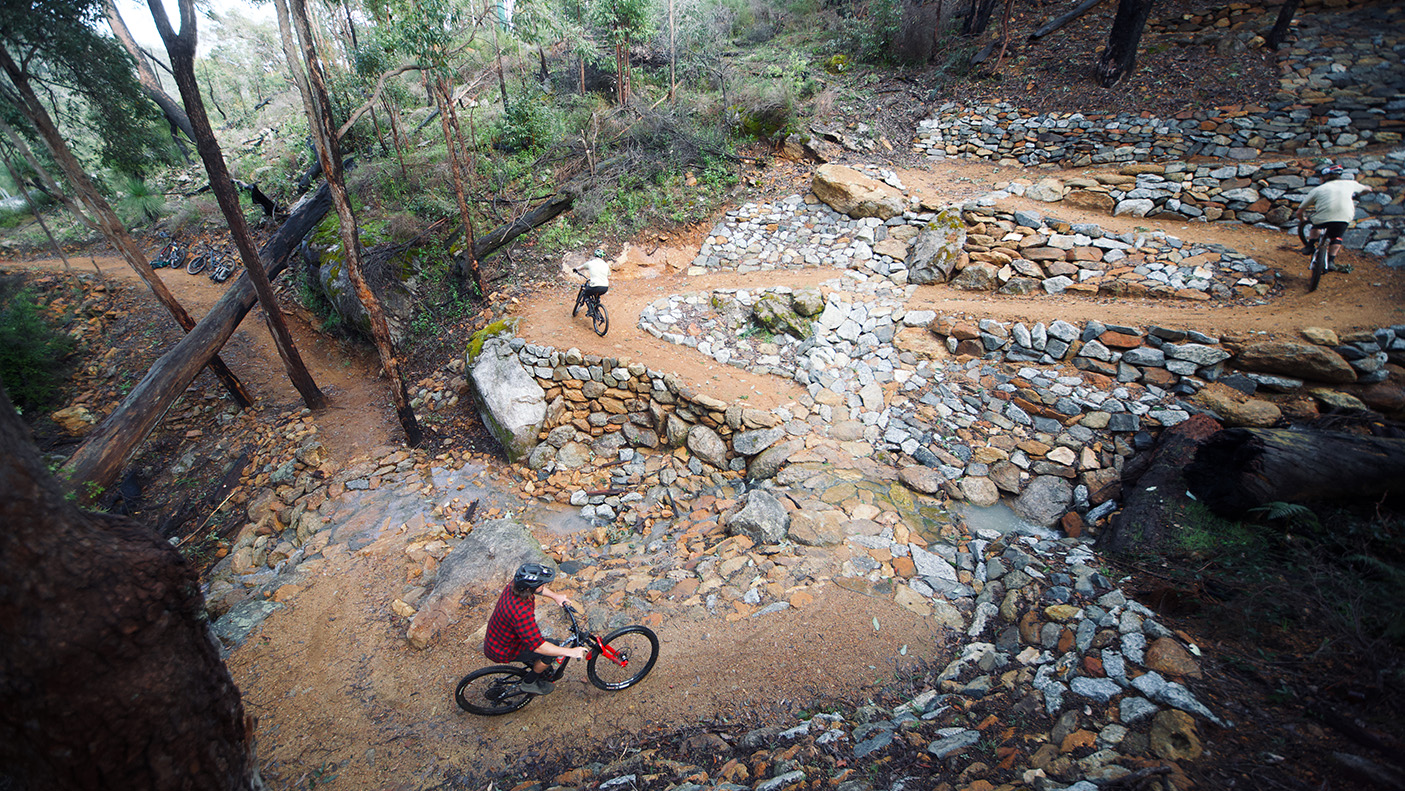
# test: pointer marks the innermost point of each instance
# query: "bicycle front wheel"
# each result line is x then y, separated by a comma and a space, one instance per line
1319, 262
1303, 227
580, 300
492, 691
600, 319
196, 265
629, 655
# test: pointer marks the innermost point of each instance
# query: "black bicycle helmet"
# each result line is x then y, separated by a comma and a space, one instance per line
531, 576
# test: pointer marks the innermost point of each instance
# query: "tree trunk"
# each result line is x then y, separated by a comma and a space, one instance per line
1280, 27
110, 447
979, 18
175, 114
181, 48
1059, 21
1120, 57
108, 675
112, 227
1240, 469
1154, 491
472, 274
39, 217
324, 132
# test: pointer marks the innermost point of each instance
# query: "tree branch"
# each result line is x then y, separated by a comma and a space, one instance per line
375, 95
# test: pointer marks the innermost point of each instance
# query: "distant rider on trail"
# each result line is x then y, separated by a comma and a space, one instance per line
1331, 206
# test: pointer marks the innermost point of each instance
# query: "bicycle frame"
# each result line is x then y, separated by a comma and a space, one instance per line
579, 637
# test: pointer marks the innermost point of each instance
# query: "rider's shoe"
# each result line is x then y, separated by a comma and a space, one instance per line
1305, 249
538, 686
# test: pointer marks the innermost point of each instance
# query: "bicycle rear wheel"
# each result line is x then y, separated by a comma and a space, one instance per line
1303, 227
629, 655
580, 300
1319, 263
196, 265
599, 318
492, 691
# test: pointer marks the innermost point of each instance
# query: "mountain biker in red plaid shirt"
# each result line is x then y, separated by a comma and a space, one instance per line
513, 635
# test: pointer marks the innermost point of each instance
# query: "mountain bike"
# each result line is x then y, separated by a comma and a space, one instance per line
172, 255
599, 318
618, 660
223, 267
198, 262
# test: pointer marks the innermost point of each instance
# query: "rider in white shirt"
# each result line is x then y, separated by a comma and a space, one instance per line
1331, 206
597, 272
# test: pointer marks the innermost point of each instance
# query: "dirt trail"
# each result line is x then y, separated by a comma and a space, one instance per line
359, 415
1372, 296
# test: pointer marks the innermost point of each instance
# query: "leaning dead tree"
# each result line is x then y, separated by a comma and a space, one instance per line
325, 135
1240, 469
1120, 57
175, 114
181, 47
1063, 19
108, 676
99, 461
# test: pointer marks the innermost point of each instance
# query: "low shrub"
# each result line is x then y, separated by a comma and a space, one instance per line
32, 350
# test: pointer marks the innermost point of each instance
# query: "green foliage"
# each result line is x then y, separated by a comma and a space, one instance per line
139, 202
32, 350
837, 64
1291, 513
530, 124
1203, 532
868, 33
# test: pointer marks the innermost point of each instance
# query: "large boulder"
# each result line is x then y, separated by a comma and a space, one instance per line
976, 277
706, 445
769, 461
393, 275
937, 248
511, 403
764, 520
485, 562
850, 192
1298, 360
1044, 501
773, 311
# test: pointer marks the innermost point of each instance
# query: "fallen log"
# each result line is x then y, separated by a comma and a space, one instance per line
501, 236
1239, 469
1154, 492
110, 447
1059, 21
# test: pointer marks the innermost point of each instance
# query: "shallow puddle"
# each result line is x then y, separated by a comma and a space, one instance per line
1000, 518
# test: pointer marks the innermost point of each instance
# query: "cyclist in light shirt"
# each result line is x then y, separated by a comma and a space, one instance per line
597, 272
1331, 206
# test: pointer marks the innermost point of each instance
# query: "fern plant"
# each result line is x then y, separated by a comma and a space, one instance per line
1294, 514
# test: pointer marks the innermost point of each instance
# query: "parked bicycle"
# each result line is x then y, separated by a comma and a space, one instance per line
618, 660
173, 254
599, 317
222, 266
198, 262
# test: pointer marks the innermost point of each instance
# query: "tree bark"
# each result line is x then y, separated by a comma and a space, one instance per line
108, 675
181, 48
111, 446
175, 114
472, 273
324, 132
1120, 57
979, 18
1059, 21
1154, 491
112, 227
1284, 21
1240, 469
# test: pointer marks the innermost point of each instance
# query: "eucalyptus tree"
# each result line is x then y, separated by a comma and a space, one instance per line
625, 23
310, 76
180, 46
51, 45
150, 82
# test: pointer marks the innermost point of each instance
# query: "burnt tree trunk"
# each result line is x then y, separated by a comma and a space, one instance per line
1281, 25
108, 675
1154, 491
1120, 57
1242, 468
181, 48
110, 447
979, 18
324, 132
112, 227
1063, 19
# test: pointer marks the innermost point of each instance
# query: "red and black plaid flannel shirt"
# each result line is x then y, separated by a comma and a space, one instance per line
513, 627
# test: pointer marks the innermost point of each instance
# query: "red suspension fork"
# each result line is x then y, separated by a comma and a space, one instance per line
610, 653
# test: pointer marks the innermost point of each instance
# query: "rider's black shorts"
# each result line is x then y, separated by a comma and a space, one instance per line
532, 657
1332, 230
595, 291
